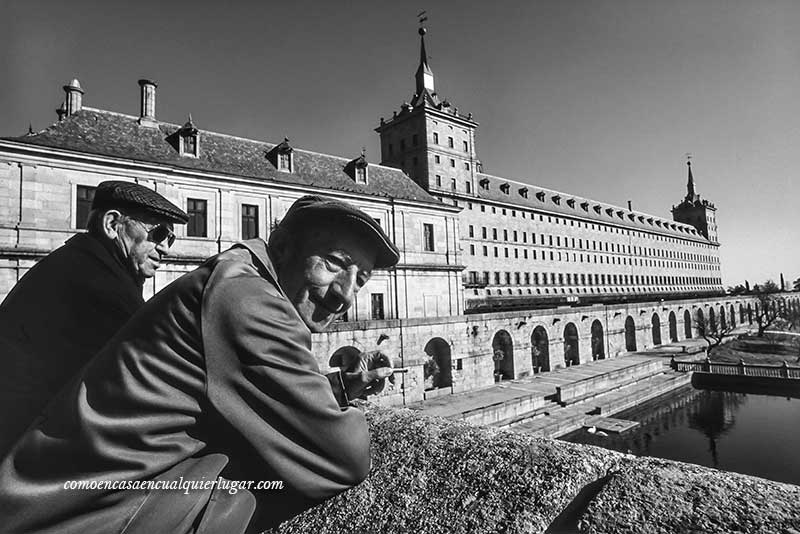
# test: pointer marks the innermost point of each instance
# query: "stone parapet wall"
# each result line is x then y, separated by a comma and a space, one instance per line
432, 475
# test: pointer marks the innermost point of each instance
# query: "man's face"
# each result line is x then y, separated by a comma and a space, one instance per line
323, 273
143, 255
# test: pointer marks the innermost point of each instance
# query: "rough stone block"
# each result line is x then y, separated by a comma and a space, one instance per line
661, 496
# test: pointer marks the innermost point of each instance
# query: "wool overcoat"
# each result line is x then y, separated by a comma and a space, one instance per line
212, 377
54, 320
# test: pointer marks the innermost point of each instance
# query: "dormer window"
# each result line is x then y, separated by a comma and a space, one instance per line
188, 139
523, 192
540, 195
505, 188
189, 145
571, 203
585, 206
598, 209
556, 200
285, 162
282, 156
484, 183
358, 168
610, 212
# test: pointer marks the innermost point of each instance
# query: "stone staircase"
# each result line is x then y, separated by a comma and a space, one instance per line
554, 403
557, 419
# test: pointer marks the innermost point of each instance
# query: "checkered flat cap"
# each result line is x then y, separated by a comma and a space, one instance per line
315, 207
121, 195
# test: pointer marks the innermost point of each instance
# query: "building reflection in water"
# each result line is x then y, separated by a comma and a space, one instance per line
712, 413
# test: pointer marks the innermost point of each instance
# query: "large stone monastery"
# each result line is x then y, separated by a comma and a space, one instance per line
481, 255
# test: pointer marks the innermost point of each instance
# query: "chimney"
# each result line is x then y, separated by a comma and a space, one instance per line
147, 117
74, 100
630, 206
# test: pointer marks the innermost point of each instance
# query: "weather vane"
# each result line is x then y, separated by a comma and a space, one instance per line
422, 17
689, 157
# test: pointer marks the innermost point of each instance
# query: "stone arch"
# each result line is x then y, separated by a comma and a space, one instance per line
571, 348
598, 341
687, 324
503, 355
749, 314
741, 314
540, 349
712, 320
655, 321
733, 317
673, 327
630, 334
723, 321
701, 319
438, 365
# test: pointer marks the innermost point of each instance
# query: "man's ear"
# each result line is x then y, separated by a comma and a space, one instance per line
279, 246
111, 221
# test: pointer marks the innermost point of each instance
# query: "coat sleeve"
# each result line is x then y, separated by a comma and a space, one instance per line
263, 380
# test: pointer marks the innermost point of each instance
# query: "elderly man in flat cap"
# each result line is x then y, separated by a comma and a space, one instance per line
213, 377
72, 301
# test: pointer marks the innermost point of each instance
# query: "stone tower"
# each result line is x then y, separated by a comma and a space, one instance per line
696, 211
429, 139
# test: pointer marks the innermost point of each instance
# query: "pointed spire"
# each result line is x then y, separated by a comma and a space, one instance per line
691, 194
424, 76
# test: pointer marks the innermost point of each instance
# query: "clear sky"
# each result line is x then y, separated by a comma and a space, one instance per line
599, 98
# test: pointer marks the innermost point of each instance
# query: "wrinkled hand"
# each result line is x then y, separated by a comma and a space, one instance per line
365, 374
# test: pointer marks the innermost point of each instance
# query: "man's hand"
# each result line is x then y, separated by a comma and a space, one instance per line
365, 374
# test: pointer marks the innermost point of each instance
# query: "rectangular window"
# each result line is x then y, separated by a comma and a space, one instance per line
197, 210
414, 140
483, 231
452, 162
249, 221
427, 236
377, 306
450, 142
453, 184
189, 145
466, 146
435, 138
471, 231
285, 161
497, 278
472, 250
438, 180
83, 205
469, 187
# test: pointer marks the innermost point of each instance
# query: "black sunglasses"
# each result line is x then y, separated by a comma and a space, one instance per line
158, 233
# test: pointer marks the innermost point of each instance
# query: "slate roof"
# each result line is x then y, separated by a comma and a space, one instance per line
539, 198
107, 133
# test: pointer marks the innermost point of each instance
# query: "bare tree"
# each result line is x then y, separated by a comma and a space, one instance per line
713, 334
767, 308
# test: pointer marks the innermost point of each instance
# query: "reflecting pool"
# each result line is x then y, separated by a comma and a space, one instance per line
748, 433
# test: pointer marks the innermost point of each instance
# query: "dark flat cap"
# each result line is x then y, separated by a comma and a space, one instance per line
121, 195
311, 207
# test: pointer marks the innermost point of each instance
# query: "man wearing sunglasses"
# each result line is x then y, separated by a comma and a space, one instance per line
75, 299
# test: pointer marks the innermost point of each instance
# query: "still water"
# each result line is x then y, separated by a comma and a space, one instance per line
743, 432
